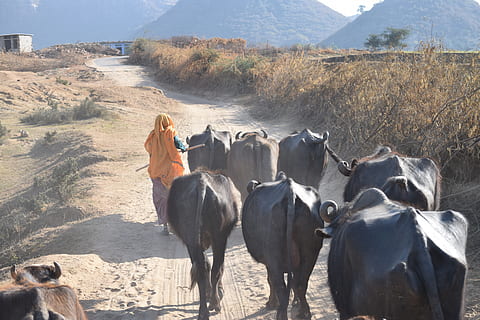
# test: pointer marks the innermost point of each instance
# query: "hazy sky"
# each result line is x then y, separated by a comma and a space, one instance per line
350, 7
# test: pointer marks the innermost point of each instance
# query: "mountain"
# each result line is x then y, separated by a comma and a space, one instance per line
276, 22
455, 22
60, 21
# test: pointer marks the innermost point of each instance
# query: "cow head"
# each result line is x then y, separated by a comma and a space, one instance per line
36, 273
398, 188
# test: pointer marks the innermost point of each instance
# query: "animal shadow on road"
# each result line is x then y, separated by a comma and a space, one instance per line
111, 238
150, 312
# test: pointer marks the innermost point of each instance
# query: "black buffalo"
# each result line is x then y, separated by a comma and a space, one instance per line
37, 295
203, 208
214, 155
278, 223
414, 181
303, 157
253, 156
392, 261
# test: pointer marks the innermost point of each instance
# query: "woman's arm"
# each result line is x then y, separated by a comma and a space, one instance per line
179, 144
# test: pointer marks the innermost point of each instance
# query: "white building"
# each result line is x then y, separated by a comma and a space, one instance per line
18, 42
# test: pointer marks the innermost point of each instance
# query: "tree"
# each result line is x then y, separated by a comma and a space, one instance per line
393, 38
361, 9
374, 42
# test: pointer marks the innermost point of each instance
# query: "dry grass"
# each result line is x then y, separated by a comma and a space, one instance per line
32, 63
199, 68
60, 56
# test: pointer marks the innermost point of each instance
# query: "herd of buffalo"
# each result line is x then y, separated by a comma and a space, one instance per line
393, 253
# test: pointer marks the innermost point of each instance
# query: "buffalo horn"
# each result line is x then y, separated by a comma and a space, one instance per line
265, 134
237, 136
252, 185
13, 272
57, 271
344, 168
323, 211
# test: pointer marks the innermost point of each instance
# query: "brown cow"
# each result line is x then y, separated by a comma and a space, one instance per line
36, 295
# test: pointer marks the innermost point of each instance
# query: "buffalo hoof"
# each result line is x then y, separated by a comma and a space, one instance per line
271, 304
215, 306
301, 312
204, 316
282, 315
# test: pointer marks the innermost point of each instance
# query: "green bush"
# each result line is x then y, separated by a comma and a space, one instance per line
63, 81
59, 185
50, 136
56, 115
88, 109
64, 178
141, 50
35, 204
47, 116
240, 73
202, 61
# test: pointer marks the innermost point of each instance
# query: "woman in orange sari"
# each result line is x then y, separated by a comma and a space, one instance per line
165, 163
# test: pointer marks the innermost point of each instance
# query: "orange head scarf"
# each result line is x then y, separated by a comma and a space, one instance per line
165, 161
162, 122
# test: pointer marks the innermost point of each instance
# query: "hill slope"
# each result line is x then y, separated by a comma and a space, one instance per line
455, 22
278, 22
60, 21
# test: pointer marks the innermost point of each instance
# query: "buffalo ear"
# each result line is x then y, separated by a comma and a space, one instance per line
280, 176
325, 136
355, 163
252, 185
13, 272
57, 271
324, 232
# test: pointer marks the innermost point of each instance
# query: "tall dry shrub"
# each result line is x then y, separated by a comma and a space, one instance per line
199, 67
285, 82
422, 105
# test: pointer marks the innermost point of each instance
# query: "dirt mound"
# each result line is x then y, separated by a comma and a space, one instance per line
86, 50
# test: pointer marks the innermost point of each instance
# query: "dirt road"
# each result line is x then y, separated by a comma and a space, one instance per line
121, 264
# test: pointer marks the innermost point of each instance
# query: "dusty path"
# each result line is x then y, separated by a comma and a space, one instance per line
120, 263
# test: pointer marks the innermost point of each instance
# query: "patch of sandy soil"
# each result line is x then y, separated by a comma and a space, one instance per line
116, 258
